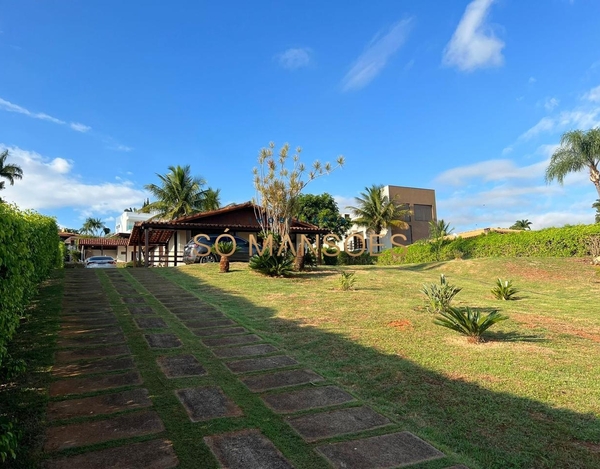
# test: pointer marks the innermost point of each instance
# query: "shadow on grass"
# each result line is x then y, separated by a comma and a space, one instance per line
489, 429
513, 336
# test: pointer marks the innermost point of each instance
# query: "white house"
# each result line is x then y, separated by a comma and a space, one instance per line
125, 223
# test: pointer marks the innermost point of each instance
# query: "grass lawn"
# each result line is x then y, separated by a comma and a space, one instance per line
529, 397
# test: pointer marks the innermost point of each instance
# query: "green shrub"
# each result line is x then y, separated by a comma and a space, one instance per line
439, 296
347, 280
504, 290
568, 241
330, 260
364, 259
468, 322
28, 252
8, 441
274, 265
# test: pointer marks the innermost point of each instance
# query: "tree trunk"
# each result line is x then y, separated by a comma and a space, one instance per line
224, 264
595, 178
299, 262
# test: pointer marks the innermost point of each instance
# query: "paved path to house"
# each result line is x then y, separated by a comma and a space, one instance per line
101, 415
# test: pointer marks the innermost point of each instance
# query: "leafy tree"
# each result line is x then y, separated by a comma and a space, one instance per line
10, 172
376, 212
92, 226
521, 225
596, 205
322, 210
212, 199
179, 194
578, 150
278, 185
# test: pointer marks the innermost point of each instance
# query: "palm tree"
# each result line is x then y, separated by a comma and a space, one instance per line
438, 230
578, 150
521, 225
180, 194
596, 205
10, 172
211, 200
377, 212
92, 226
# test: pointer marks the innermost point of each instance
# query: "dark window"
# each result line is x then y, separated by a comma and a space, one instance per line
423, 212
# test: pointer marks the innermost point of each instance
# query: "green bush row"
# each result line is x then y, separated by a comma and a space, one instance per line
568, 241
29, 250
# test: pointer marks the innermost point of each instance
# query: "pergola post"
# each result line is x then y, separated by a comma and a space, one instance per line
146, 248
135, 255
175, 247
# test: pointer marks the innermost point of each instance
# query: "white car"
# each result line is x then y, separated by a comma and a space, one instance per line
100, 262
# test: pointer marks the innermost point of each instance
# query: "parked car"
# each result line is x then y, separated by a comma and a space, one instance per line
192, 253
100, 262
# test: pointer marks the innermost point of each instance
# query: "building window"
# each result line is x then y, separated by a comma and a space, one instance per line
423, 212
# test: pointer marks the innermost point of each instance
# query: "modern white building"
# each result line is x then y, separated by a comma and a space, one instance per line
124, 224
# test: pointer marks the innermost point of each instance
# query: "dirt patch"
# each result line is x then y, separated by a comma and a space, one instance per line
401, 325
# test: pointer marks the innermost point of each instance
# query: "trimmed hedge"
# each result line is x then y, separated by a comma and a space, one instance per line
28, 252
568, 241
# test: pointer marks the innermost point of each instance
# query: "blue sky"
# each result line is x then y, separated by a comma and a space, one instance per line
467, 98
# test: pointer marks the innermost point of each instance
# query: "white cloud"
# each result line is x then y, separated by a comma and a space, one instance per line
531, 80
10, 107
593, 95
375, 57
473, 44
491, 170
577, 118
551, 103
293, 59
79, 127
343, 202
49, 184
120, 147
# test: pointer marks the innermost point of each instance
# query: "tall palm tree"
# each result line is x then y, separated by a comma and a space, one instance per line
92, 226
376, 212
211, 200
596, 205
179, 194
578, 150
521, 225
10, 172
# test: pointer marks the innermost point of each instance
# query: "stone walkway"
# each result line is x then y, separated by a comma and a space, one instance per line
102, 416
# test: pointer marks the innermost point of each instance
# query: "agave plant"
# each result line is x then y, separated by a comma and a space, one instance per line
504, 290
439, 296
273, 265
469, 322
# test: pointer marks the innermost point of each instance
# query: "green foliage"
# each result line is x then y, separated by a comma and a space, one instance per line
347, 280
8, 441
438, 230
330, 260
273, 265
364, 259
28, 252
439, 296
62, 255
521, 225
322, 210
310, 259
568, 241
469, 322
504, 290
376, 211
10, 172
92, 227
226, 248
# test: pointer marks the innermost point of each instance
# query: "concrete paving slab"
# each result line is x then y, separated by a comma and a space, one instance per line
97, 366
233, 340
261, 364
204, 311
206, 403
204, 323
153, 454
218, 331
281, 379
151, 323
88, 322
140, 310
65, 356
382, 452
117, 338
99, 405
315, 427
307, 398
133, 299
93, 383
248, 449
99, 431
245, 351
89, 331
180, 366
163, 340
